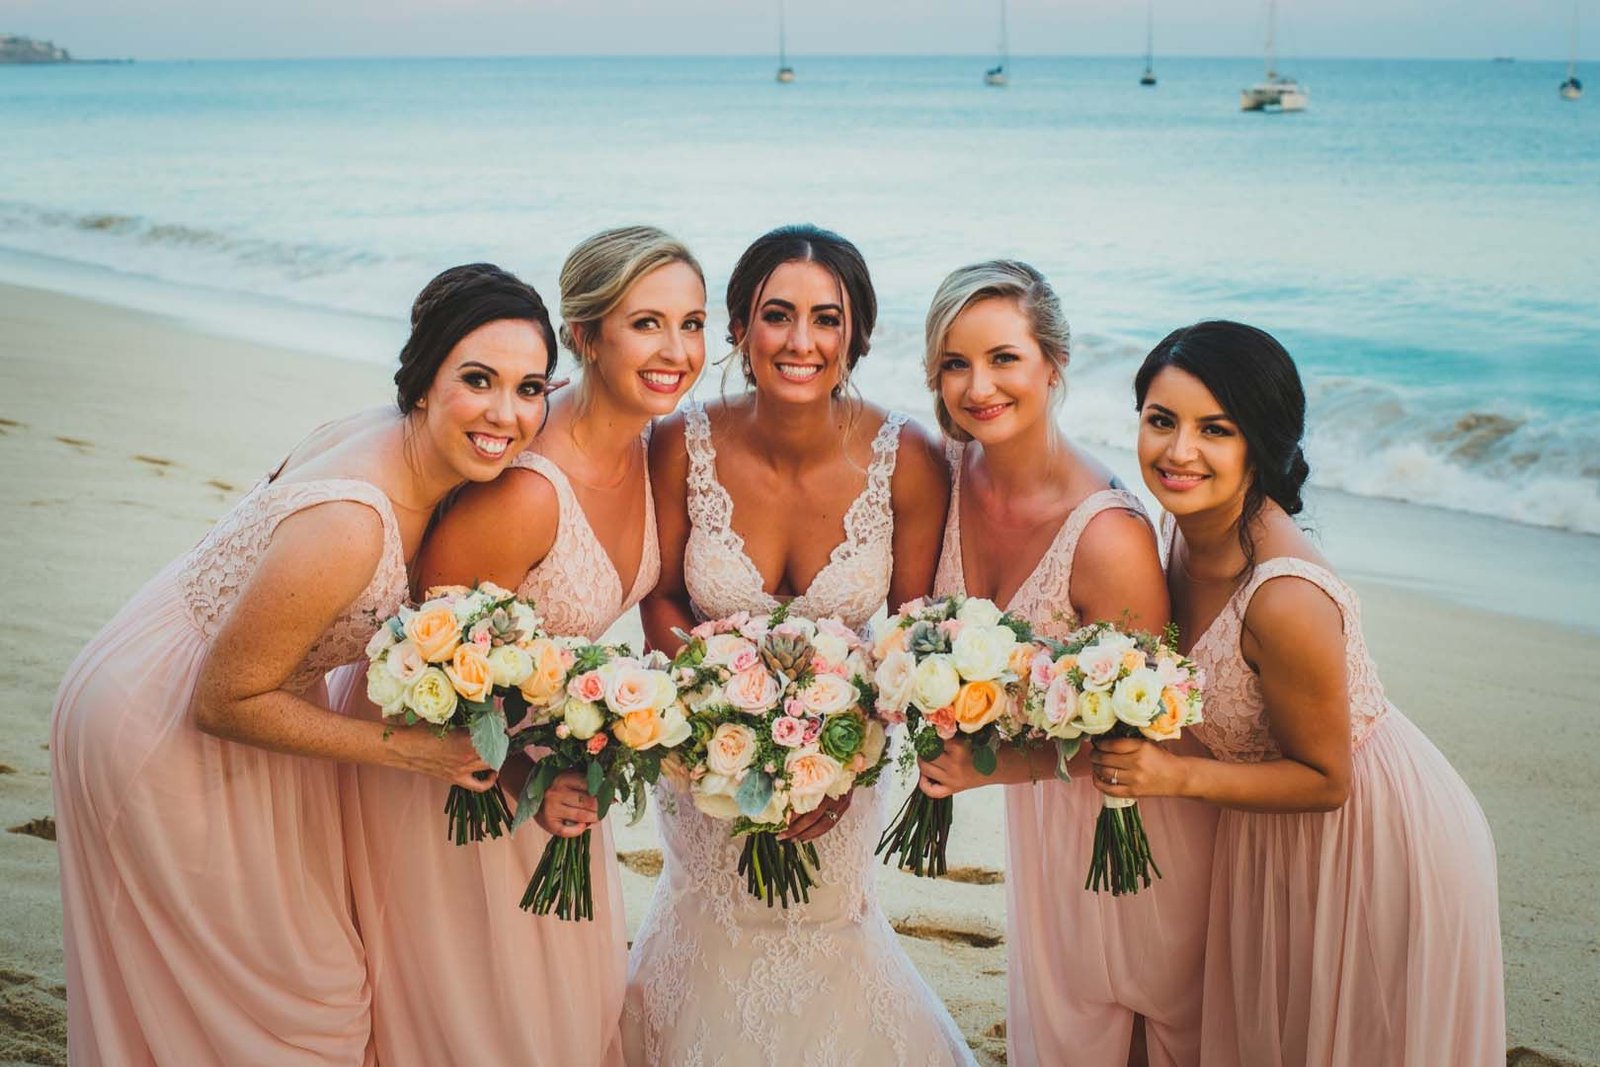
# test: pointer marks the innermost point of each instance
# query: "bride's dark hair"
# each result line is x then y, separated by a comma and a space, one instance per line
452, 305
1255, 381
804, 242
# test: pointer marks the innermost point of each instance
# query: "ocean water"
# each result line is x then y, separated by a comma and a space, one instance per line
1425, 239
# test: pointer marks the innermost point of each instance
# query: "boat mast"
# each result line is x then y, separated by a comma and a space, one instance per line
1150, 37
783, 44
1272, 42
1005, 39
1572, 53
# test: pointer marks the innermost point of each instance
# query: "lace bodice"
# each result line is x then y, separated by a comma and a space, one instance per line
216, 569
1236, 717
718, 573
1044, 597
576, 587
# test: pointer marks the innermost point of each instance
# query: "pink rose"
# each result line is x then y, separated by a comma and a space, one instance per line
813, 730
943, 722
568, 658
743, 659
789, 731
596, 743
704, 630
1060, 701
834, 626
588, 687
951, 627
822, 666
792, 706
563, 730
754, 690
481, 632
1042, 668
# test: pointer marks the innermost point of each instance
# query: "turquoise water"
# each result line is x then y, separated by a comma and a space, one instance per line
1426, 238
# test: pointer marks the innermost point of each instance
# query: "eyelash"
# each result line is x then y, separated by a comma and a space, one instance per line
479, 380
1162, 422
775, 318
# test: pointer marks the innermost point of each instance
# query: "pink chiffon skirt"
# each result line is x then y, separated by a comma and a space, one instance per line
205, 901
1367, 936
1082, 964
459, 973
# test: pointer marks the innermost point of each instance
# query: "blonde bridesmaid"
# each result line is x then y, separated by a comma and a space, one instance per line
203, 881
1354, 916
1041, 527
459, 973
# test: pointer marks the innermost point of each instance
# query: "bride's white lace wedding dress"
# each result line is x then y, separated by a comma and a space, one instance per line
716, 977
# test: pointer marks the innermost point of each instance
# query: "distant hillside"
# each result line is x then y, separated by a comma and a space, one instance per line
26, 50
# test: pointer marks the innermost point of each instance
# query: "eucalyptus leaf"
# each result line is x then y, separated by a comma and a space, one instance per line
489, 737
533, 791
593, 779
603, 799
753, 794
1065, 750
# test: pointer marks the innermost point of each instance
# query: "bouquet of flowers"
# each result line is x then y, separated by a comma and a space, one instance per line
1104, 682
779, 718
955, 665
454, 662
611, 715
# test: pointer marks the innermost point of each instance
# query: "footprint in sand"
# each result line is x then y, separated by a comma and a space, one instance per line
646, 861
974, 875
6, 768
949, 934
160, 464
44, 827
34, 1019
77, 442
218, 483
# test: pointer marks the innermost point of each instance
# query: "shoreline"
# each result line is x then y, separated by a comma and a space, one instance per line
124, 433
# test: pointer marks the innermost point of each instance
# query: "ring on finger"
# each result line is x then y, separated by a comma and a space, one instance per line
1113, 777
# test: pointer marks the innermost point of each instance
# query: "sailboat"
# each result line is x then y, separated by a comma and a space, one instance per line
1149, 75
785, 72
996, 75
1278, 92
1572, 88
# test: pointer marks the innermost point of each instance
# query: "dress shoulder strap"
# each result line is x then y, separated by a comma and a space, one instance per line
1295, 567
566, 499
709, 505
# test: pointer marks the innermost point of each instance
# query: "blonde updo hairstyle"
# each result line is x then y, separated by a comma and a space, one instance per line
1012, 280
599, 272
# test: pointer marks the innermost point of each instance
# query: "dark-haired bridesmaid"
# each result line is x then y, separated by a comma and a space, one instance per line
205, 894
1354, 915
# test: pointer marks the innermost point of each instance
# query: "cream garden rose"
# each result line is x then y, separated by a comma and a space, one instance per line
385, 690
896, 679
828, 694
432, 697
935, 683
982, 653
510, 666
812, 775
583, 718
976, 611
754, 690
731, 749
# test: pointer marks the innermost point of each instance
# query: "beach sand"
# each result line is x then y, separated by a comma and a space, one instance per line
123, 435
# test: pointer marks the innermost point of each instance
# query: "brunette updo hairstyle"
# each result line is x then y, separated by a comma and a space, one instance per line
452, 305
1256, 382
805, 243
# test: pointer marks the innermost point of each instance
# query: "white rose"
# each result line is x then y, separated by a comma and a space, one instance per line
674, 727
510, 666
1094, 712
828, 694
830, 647
895, 677
857, 665
1137, 698
385, 690
706, 696
935, 683
731, 749
796, 626
383, 638
713, 794
666, 690
976, 611
873, 743
432, 696
722, 649
629, 687
583, 718
405, 662
1100, 664
1116, 639
980, 653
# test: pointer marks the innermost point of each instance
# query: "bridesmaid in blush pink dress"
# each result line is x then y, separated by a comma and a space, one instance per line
1354, 915
460, 974
1041, 528
203, 882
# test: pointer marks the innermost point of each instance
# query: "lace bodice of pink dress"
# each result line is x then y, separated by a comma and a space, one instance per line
204, 888
716, 977
492, 983
1081, 965
1365, 935
576, 586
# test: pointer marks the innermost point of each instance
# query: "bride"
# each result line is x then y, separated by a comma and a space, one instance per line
753, 494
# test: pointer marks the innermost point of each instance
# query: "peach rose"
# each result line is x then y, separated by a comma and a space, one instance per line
1021, 661
1132, 659
639, 729
587, 686
943, 722
754, 690
978, 704
470, 673
549, 675
812, 775
731, 749
1168, 722
897, 639
435, 633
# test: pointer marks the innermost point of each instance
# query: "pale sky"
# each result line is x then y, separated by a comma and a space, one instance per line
164, 29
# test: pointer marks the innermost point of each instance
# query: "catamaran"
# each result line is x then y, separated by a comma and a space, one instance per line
1278, 92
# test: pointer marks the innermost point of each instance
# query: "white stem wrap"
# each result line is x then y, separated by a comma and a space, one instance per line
1117, 802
